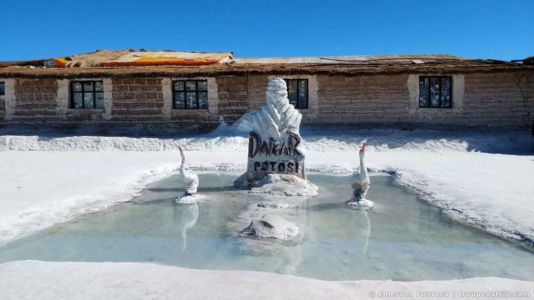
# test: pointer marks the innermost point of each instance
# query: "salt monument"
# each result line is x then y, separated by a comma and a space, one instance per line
275, 165
274, 141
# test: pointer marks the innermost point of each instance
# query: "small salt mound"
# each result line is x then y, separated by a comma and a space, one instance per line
363, 203
284, 185
185, 199
272, 226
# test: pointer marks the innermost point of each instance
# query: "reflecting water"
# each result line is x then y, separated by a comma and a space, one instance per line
186, 218
401, 238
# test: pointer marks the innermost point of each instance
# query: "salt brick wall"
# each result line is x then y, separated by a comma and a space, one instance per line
2, 104
530, 96
142, 100
35, 100
256, 90
362, 99
137, 100
233, 97
496, 100
489, 99
2, 108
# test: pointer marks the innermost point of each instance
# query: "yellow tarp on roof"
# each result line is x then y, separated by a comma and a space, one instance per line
158, 58
105, 58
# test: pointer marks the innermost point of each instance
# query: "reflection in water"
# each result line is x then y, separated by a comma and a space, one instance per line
283, 256
186, 217
368, 235
362, 211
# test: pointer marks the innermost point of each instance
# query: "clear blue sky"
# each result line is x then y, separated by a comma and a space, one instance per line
468, 28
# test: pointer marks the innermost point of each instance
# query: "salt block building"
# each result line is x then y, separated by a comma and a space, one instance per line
177, 89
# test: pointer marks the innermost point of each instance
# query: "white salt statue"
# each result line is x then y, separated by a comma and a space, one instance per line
274, 138
360, 183
191, 181
276, 117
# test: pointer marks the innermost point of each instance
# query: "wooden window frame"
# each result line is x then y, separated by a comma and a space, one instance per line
184, 90
299, 104
94, 92
440, 99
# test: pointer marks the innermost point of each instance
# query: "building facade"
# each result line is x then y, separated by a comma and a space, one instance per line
418, 91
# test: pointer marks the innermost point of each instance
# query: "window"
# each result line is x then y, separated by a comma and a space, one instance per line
297, 92
86, 94
2, 88
435, 91
190, 94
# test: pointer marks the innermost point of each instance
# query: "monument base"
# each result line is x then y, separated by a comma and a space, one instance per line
278, 185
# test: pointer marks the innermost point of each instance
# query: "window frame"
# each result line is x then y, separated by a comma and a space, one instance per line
94, 92
184, 90
3, 89
440, 99
298, 105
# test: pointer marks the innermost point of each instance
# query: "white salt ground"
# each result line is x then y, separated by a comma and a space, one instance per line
74, 280
44, 181
41, 188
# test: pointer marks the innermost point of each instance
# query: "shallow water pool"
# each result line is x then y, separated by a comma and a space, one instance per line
401, 238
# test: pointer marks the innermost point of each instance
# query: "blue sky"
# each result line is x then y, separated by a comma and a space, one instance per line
468, 28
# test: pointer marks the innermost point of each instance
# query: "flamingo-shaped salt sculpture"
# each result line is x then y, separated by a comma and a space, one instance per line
360, 183
191, 181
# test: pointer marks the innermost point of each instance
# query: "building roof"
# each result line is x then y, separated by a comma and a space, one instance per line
113, 63
348, 59
119, 58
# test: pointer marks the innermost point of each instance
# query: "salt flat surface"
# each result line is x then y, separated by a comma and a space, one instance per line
49, 179
71, 280
46, 184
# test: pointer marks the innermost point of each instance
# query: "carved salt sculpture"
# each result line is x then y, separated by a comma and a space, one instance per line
191, 181
274, 138
275, 165
360, 183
